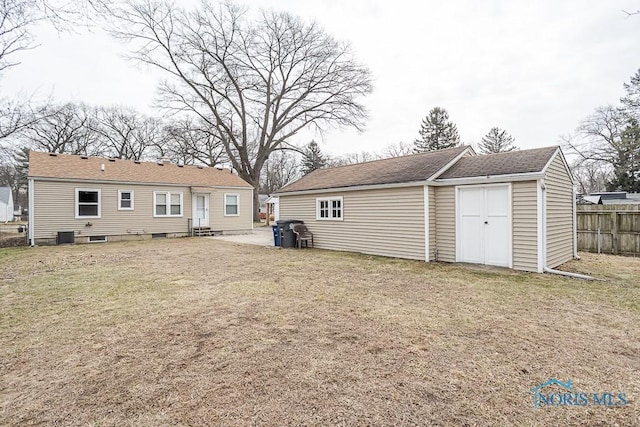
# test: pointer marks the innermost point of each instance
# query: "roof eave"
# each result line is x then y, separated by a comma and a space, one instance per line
528, 176
352, 188
108, 181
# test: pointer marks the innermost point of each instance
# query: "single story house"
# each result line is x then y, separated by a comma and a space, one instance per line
6, 204
514, 209
81, 199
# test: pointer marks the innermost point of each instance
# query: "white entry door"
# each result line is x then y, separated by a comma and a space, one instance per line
200, 210
484, 225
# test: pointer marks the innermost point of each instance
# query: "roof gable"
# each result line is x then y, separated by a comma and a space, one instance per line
395, 170
509, 163
65, 166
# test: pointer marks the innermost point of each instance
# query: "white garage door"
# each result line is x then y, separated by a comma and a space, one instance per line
484, 225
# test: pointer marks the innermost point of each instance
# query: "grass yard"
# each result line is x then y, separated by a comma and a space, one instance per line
202, 332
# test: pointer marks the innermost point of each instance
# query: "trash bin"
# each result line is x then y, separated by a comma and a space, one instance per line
287, 236
276, 235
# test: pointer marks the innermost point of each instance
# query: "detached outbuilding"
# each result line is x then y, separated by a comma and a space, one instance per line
514, 209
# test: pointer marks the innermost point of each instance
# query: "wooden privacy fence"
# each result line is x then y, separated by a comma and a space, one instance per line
613, 229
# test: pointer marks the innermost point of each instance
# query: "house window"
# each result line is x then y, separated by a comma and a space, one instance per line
231, 204
125, 200
92, 239
166, 203
87, 203
329, 208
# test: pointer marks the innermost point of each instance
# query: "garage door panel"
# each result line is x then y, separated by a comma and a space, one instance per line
497, 241
472, 249
484, 213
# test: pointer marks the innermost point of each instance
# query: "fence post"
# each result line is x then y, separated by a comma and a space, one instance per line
614, 232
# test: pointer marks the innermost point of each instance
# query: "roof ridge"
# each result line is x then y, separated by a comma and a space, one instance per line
396, 157
157, 162
520, 151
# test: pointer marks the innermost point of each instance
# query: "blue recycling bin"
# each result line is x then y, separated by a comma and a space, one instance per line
276, 235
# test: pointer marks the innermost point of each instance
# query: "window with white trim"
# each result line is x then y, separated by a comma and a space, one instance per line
231, 204
125, 200
167, 203
87, 203
329, 208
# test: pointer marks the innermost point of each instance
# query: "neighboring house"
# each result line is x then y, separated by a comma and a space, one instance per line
6, 204
511, 209
90, 199
609, 198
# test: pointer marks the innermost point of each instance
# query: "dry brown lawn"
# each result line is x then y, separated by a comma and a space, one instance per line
204, 332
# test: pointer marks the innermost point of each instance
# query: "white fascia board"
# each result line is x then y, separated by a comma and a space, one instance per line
489, 179
354, 188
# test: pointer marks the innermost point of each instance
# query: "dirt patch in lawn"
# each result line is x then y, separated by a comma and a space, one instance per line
200, 332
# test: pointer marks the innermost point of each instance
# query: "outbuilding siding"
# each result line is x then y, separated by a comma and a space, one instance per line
559, 212
525, 220
446, 223
387, 222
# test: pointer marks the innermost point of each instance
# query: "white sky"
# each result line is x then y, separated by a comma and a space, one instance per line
534, 68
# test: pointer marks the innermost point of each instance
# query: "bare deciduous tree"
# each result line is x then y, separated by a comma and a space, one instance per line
16, 18
61, 129
126, 134
282, 168
398, 150
353, 158
191, 142
599, 136
257, 83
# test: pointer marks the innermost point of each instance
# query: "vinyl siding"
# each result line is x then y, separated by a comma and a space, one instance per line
387, 222
559, 213
525, 223
445, 223
54, 211
231, 224
432, 223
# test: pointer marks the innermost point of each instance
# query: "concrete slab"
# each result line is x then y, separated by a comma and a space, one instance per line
261, 236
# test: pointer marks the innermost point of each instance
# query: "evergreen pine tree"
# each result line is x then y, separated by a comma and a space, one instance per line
436, 132
313, 158
626, 168
497, 141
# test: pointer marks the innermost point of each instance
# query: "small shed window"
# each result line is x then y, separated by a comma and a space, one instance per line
87, 203
167, 204
231, 204
329, 208
125, 200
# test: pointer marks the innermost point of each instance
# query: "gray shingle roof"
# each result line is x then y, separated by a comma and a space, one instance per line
512, 162
5, 193
416, 167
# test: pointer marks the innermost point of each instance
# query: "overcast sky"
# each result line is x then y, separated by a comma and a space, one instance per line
534, 68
